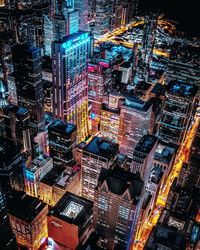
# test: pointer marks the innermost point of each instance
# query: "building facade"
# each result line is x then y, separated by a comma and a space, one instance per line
7, 238
28, 217
69, 222
28, 76
97, 154
70, 80
117, 207
62, 140
135, 121
178, 111
17, 128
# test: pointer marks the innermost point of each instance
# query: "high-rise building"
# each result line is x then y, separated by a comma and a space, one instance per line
116, 16
148, 40
30, 30
178, 111
63, 20
143, 156
46, 185
161, 238
110, 118
162, 164
17, 121
135, 121
62, 140
69, 222
65, 24
38, 168
99, 79
48, 34
164, 158
7, 238
131, 9
117, 207
97, 154
184, 63
103, 12
11, 165
28, 217
28, 76
82, 6
70, 80
108, 16
3, 95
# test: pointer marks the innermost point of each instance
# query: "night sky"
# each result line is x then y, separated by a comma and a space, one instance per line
186, 12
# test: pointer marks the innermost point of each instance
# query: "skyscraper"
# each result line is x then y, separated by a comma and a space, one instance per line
28, 76
11, 165
143, 156
96, 155
110, 117
99, 79
63, 20
7, 238
103, 13
148, 40
178, 111
62, 139
48, 34
65, 24
82, 6
117, 207
17, 121
109, 15
70, 80
135, 121
28, 216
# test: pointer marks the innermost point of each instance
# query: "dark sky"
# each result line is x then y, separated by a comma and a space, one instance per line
186, 12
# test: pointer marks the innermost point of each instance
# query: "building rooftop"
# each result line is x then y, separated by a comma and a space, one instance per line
25, 48
18, 110
69, 174
165, 236
67, 41
118, 181
62, 127
143, 86
136, 103
110, 109
38, 162
145, 144
165, 152
72, 209
23, 206
182, 89
156, 174
158, 89
102, 148
53, 176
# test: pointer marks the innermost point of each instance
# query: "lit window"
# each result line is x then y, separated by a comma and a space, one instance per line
123, 212
102, 203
